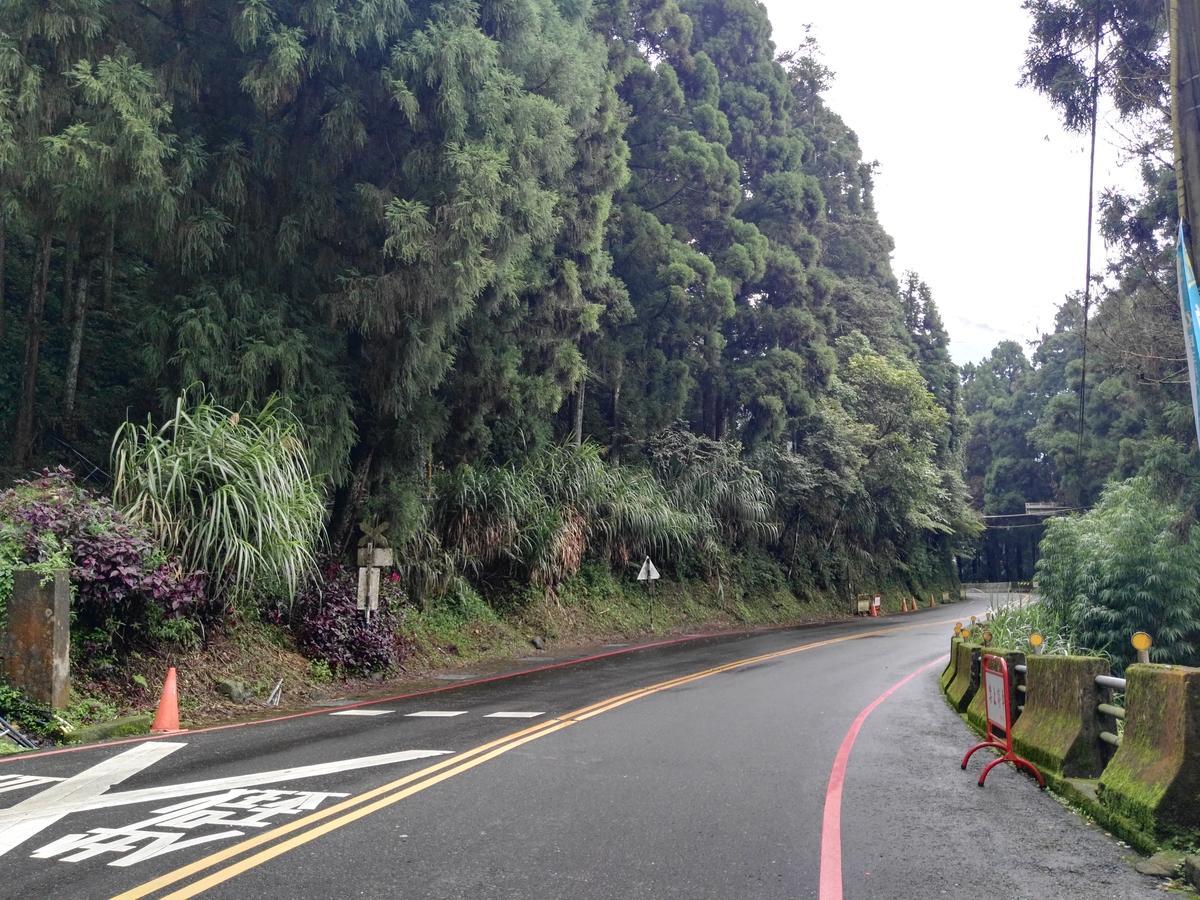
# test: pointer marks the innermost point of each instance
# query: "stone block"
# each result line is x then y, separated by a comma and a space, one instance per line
35, 647
965, 682
1154, 777
1059, 731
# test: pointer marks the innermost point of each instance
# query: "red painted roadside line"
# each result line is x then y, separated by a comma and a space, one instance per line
831, 826
504, 676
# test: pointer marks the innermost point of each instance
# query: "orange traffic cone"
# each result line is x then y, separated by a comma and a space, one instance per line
166, 718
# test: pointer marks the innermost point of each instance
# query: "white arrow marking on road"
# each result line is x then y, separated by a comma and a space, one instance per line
21, 822
84, 791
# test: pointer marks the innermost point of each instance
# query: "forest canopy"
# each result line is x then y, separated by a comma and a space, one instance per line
457, 239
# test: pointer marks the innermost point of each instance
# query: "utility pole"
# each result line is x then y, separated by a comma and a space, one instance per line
1183, 26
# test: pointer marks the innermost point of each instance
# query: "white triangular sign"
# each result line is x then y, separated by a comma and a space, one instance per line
648, 573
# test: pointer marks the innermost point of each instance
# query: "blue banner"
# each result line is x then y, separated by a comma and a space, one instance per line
1189, 309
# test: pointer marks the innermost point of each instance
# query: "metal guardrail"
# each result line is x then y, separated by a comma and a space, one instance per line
1021, 671
12, 733
1113, 683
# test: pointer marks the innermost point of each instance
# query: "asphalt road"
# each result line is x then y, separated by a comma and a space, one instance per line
696, 770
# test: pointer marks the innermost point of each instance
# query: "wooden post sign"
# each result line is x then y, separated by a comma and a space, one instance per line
373, 554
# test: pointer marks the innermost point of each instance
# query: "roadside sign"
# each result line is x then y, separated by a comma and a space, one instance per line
998, 700
1142, 643
877, 601
376, 556
368, 589
648, 572
995, 686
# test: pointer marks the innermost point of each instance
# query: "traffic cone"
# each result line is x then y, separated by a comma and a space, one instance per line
166, 717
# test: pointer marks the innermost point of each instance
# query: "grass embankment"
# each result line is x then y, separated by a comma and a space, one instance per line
232, 676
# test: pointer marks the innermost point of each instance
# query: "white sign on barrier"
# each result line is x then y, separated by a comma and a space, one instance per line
997, 708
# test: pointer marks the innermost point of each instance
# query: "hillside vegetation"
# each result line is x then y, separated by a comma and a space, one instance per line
540, 286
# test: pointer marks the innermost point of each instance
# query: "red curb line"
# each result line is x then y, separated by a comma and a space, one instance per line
831, 825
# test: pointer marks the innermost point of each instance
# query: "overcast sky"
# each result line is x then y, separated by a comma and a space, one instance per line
982, 190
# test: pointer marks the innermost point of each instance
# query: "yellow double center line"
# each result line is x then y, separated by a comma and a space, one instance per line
320, 823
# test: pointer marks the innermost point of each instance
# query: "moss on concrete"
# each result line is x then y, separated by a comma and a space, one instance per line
1153, 779
948, 672
1059, 730
1082, 793
963, 685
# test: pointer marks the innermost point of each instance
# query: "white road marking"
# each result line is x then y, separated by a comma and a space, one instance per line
21, 822
243, 808
437, 713
363, 712
514, 715
17, 822
19, 782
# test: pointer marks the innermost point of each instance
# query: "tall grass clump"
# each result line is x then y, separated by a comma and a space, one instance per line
685, 503
711, 480
538, 521
229, 491
1012, 624
1130, 564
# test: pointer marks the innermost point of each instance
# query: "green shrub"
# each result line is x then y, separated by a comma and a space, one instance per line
1126, 566
27, 715
231, 492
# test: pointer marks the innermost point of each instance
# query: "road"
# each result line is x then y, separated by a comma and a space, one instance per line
700, 769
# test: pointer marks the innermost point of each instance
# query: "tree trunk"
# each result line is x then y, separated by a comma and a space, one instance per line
22, 446
72, 375
3, 304
580, 395
68, 283
350, 499
109, 240
614, 421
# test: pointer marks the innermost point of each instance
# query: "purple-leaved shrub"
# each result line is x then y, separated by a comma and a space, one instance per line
328, 626
116, 567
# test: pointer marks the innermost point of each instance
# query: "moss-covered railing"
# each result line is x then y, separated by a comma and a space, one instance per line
1147, 787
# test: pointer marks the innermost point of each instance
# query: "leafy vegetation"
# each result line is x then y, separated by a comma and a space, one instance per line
1128, 563
1124, 567
330, 631
118, 572
542, 286
230, 492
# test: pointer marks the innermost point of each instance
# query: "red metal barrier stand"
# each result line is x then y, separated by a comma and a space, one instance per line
999, 715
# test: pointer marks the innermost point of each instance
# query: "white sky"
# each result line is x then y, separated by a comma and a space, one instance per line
983, 191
